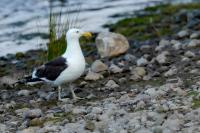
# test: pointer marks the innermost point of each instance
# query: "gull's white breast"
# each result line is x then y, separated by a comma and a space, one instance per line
75, 69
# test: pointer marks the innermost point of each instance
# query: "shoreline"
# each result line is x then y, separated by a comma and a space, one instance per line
153, 88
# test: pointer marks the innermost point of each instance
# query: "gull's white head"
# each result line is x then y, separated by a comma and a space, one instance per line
77, 33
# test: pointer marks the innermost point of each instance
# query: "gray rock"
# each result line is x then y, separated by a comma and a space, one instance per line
68, 107
29, 130
78, 127
111, 44
194, 71
142, 62
96, 110
90, 126
183, 33
34, 113
122, 80
198, 62
172, 124
172, 71
130, 58
111, 84
161, 58
166, 130
177, 46
171, 105
145, 48
5, 95
24, 93
115, 69
194, 115
3, 128
144, 131
141, 105
93, 76
139, 71
79, 110
189, 54
194, 43
157, 129
135, 77
195, 35
2, 63
162, 44
151, 92
154, 116
20, 112
50, 129
185, 59
99, 66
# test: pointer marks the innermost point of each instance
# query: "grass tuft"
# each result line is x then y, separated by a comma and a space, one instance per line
57, 45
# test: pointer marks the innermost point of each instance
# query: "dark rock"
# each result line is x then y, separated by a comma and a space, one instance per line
34, 113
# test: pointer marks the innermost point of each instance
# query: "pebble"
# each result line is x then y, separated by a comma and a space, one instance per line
93, 76
183, 33
194, 43
142, 62
130, 58
172, 124
20, 112
185, 59
115, 69
172, 71
90, 126
29, 130
177, 46
195, 35
24, 93
139, 71
198, 62
99, 66
111, 84
122, 80
2, 128
161, 58
162, 44
96, 110
151, 92
189, 54
32, 113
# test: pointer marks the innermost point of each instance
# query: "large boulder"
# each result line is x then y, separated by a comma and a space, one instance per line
111, 44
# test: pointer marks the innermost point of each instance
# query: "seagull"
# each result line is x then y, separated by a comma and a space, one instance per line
64, 69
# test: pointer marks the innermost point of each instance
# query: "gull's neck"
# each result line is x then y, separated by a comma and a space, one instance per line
73, 48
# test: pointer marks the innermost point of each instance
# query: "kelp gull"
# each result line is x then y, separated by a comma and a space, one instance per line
66, 68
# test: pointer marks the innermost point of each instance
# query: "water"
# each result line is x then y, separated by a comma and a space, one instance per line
24, 23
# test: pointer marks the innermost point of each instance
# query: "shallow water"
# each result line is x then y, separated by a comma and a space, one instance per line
24, 23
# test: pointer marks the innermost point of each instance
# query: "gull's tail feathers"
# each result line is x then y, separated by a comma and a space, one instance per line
29, 80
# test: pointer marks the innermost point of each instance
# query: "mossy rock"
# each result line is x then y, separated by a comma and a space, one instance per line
196, 103
90, 126
19, 55
37, 122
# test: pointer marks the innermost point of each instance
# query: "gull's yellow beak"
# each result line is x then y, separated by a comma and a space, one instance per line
87, 35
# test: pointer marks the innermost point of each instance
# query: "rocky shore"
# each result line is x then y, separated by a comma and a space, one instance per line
151, 84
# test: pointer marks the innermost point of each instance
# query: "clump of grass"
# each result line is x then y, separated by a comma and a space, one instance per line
196, 103
57, 45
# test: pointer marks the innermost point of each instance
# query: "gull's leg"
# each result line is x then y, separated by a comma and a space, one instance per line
59, 95
73, 94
